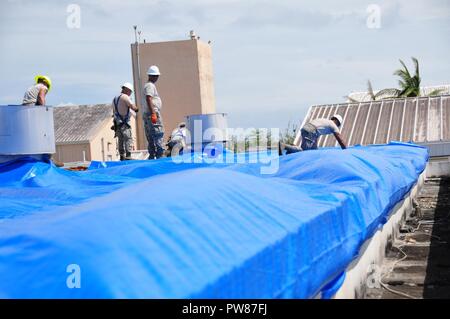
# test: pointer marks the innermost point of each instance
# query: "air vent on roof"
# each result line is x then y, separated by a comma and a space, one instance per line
207, 129
26, 130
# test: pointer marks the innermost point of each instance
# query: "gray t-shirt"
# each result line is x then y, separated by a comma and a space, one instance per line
31, 95
150, 89
325, 126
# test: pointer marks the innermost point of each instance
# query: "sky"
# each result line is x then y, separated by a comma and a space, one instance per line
272, 59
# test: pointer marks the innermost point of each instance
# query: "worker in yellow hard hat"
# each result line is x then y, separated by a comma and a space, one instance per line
35, 95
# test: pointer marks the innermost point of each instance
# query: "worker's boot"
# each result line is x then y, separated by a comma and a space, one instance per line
128, 157
122, 157
281, 147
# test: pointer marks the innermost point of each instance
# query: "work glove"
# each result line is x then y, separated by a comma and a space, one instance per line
154, 118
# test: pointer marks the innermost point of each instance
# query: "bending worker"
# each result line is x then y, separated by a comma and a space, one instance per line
35, 95
311, 132
154, 129
121, 108
177, 140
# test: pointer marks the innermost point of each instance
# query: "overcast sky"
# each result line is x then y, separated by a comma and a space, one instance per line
272, 59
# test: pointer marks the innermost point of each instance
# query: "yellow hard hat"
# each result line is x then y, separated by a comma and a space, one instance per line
46, 80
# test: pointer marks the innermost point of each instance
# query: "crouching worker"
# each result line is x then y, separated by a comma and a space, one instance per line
311, 132
36, 94
177, 141
121, 109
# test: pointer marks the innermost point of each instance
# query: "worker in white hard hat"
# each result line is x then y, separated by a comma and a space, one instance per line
153, 123
122, 107
35, 95
311, 132
177, 140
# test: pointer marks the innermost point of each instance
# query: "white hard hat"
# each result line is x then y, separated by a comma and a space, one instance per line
128, 86
339, 118
153, 70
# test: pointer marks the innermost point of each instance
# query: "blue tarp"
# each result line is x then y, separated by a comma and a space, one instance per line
159, 229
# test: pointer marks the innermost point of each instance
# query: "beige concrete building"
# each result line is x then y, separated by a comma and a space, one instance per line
83, 133
186, 84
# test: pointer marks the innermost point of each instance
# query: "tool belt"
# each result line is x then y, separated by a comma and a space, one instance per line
117, 126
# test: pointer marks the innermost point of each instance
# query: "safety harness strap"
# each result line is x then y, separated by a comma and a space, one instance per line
116, 108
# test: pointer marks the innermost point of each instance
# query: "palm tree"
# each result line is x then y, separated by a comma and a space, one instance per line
409, 85
383, 94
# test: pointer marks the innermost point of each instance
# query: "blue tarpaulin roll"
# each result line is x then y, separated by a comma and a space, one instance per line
160, 229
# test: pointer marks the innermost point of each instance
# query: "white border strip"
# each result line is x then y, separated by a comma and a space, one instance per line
372, 252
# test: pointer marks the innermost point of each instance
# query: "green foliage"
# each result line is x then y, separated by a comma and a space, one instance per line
288, 135
409, 85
